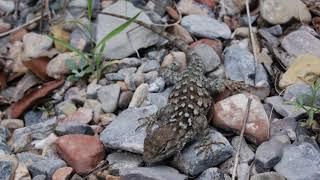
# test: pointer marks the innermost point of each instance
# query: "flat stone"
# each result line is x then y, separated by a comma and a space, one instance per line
268, 154
130, 62
281, 11
267, 176
7, 169
283, 108
46, 167
191, 7
108, 96
57, 67
28, 158
65, 107
209, 57
82, 115
121, 133
124, 160
33, 117
73, 128
233, 7
36, 45
124, 99
150, 65
301, 42
188, 162
178, 58
229, 114
305, 68
206, 27
123, 45
157, 86
214, 174
213, 43
154, 173
81, 152
299, 162
246, 154
283, 126
239, 65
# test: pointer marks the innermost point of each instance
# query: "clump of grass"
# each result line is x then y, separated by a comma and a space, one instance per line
309, 103
91, 63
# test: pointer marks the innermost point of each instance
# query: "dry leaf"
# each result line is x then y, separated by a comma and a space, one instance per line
18, 108
58, 32
38, 66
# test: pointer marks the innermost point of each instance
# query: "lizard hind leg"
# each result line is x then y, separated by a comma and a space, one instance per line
147, 122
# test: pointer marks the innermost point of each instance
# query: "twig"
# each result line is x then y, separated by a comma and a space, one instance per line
245, 119
42, 12
22, 26
253, 44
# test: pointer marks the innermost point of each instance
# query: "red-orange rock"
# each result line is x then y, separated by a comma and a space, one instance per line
63, 173
229, 114
81, 152
214, 43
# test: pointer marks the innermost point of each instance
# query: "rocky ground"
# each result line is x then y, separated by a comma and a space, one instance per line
53, 128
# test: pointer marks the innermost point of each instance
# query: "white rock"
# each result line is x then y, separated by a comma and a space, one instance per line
131, 39
36, 45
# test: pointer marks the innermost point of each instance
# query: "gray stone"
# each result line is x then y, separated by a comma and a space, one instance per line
46, 167
95, 106
73, 128
76, 95
150, 65
188, 162
36, 45
233, 7
301, 91
4, 148
153, 173
268, 154
282, 126
246, 154
121, 133
239, 64
150, 77
79, 39
159, 99
65, 107
206, 27
272, 40
275, 30
209, 56
243, 171
129, 62
7, 6
126, 42
283, 107
4, 134
40, 177
157, 86
281, 11
6, 170
92, 89
300, 162
157, 55
121, 74
267, 176
33, 117
108, 96
301, 42
124, 160
214, 174
28, 158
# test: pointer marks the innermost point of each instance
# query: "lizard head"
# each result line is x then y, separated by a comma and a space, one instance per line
161, 144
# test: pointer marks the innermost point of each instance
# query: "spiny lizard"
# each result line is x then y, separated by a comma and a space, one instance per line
183, 119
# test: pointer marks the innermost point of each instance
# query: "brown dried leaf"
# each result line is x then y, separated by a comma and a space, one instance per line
3, 80
18, 108
38, 66
316, 23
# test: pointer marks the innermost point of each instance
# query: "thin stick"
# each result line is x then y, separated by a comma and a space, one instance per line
253, 44
22, 26
245, 119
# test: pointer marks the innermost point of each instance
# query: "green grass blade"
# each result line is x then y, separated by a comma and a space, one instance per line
68, 46
90, 9
119, 29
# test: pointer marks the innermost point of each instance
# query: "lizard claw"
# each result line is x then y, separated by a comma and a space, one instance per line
147, 122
